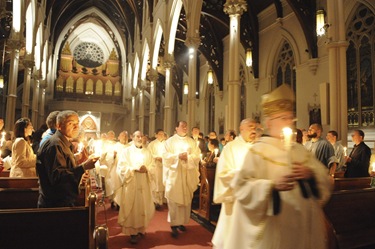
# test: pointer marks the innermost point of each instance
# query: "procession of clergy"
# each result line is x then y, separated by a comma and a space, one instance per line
271, 188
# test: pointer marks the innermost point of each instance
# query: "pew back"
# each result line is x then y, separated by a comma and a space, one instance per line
49, 228
19, 182
352, 183
351, 215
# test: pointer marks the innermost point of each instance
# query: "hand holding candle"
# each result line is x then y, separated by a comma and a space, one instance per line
216, 151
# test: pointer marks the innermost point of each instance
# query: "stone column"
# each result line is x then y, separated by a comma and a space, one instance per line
153, 76
337, 45
192, 43
234, 8
28, 64
15, 46
141, 109
133, 116
168, 64
35, 103
42, 118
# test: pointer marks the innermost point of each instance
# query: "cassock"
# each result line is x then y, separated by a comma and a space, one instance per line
157, 149
181, 177
265, 218
134, 197
230, 160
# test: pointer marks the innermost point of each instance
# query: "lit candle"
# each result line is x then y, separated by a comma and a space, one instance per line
345, 151
80, 147
216, 151
98, 148
2, 138
288, 132
373, 166
201, 157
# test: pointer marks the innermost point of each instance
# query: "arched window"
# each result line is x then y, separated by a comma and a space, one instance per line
285, 67
79, 85
89, 87
69, 84
117, 89
360, 60
99, 87
108, 88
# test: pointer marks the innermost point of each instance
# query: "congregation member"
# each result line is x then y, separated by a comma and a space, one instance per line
332, 137
230, 160
51, 124
321, 148
59, 175
229, 136
213, 135
358, 161
134, 197
181, 166
195, 134
23, 158
157, 149
269, 210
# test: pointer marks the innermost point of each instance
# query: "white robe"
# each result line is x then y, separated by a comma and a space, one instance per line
300, 223
157, 149
134, 198
181, 178
109, 159
229, 162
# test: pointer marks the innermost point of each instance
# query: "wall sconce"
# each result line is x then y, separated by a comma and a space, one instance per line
210, 77
321, 26
186, 88
249, 57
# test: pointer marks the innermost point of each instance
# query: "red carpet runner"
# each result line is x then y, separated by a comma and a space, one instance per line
158, 234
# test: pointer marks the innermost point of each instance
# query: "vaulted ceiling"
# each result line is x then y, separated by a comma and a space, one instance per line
213, 28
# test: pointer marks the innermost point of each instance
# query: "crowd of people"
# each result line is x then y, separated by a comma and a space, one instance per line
271, 184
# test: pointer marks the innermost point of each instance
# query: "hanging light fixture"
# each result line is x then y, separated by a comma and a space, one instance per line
210, 77
186, 88
249, 57
320, 25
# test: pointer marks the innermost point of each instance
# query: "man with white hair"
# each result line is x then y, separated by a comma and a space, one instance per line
229, 162
134, 197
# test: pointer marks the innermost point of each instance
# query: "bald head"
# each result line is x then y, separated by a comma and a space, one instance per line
248, 129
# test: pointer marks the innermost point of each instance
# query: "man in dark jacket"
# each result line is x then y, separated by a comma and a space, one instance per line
358, 161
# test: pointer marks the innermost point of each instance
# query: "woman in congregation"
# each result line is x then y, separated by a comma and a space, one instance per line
23, 157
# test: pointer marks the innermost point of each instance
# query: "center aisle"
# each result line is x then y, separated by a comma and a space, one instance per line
158, 233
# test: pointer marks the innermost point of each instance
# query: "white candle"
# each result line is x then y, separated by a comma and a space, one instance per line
201, 157
216, 151
98, 148
287, 132
80, 147
373, 166
2, 138
345, 151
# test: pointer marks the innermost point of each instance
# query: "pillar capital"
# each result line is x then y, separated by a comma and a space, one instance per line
14, 44
28, 63
193, 42
235, 7
153, 75
169, 61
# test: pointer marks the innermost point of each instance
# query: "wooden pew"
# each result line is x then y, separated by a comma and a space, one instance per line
207, 208
352, 183
5, 173
19, 182
350, 216
46, 228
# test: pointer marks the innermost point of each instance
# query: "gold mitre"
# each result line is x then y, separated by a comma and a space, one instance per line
279, 100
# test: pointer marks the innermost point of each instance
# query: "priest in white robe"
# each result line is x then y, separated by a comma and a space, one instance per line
280, 188
157, 149
230, 160
134, 198
181, 172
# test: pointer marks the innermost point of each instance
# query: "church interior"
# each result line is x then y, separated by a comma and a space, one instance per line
146, 64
